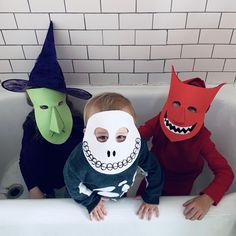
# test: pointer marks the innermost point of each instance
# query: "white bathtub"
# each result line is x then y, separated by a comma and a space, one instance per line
59, 217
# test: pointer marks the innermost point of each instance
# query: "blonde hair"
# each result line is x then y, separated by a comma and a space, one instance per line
106, 102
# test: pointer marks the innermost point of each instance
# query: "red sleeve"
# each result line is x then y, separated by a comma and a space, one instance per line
223, 174
149, 128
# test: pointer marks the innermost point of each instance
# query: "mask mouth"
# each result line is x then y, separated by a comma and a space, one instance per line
182, 130
111, 166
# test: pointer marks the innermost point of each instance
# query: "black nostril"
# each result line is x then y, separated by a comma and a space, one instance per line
108, 153
114, 153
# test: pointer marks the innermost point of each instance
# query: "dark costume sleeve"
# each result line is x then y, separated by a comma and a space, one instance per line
153, 176
223, 174
74, 182
149, 129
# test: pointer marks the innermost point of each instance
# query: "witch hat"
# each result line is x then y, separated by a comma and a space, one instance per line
46, 73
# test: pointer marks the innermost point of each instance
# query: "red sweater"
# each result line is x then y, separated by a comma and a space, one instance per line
183, 161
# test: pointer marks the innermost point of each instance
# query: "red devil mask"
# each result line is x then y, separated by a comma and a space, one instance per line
183, 113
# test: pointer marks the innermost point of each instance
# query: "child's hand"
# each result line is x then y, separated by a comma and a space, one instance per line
36, 193
148, 209
99, 212
196, 208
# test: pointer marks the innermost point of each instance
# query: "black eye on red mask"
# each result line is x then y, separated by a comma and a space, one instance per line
176, 104
192, 109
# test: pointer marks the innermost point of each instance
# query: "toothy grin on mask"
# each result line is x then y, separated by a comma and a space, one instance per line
111, 166
177, 129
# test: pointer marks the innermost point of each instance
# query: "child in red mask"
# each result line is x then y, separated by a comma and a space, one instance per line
181, 143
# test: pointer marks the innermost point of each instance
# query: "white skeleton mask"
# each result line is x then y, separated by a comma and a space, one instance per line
111, 141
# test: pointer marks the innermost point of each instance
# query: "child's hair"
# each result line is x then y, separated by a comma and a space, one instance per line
105, 102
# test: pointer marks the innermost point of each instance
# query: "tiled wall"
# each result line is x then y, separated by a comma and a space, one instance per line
122, 42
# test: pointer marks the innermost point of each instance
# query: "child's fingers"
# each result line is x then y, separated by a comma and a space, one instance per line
149, 213
156, 210
104, 211
190, 214
100, 214
188, 202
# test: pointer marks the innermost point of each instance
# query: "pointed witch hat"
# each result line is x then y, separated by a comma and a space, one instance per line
46, 73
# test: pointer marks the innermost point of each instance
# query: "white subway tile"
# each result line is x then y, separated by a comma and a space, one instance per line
7, 21
22, 65
159, 78
233, 40
153, 5
88, 65
68, 21
165, 52
1, 40
11, 52
215, 36
179, 64
169, 20
60, 36
151, 37
190, 75
220, 77
224, 51
7, 76
118, 5
120, 37
203, 20
103, 52
182, 36
5, 66
47, 6
19, 37
32, 21
221, 6
82, 5
71, 52
101, 21
73, 79
134, 52
14, 6
32, 52
228, 20
86, 37
66, 65
188, 5
230, 65
118, 66
149, 66
104, 79
209, 64
132, 79
196, 51
135, 21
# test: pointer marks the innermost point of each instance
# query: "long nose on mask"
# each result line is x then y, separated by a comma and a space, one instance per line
179, 117
56, 123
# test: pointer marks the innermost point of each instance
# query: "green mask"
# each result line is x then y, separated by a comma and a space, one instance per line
52, 114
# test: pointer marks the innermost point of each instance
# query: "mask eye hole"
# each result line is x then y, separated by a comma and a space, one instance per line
192, 109
101, 135
121, 134
60, 103
44, 107
176, 104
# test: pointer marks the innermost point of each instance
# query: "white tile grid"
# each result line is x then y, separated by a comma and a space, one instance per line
220, 36
228, 20
32, 21
88, 65
1, 39
5, 66
165, 52
196, 51
103, 52
118, 37
188, 5
179, 64
61, 37
14, 6
230, 65
220, 77
224, 51
219, 5
46, 5
186, 36
132, 79
7, 21
68, 21
153, 5
118, 5
11, 52
118, 66
66, 65
159, 78
151, 37
73, 79
134, 52
169, 20
209, 64
22, 65
71, 52
83, 6
104, 78
86, 37
136, 21
149, 66
31, 52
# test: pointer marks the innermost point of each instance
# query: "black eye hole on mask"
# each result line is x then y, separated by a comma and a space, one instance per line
176, 104
44, 107
60, 103
192, 109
